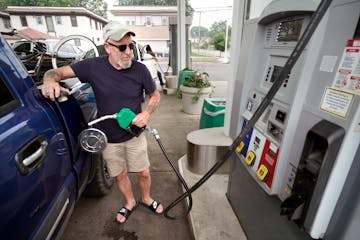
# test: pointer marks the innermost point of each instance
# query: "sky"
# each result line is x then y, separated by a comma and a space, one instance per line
209, 11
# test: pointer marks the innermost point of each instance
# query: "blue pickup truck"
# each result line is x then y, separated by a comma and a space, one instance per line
43, 170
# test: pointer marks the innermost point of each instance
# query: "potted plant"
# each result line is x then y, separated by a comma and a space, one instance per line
194, 89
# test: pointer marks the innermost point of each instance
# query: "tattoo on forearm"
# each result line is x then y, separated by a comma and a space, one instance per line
153, 104
52, 74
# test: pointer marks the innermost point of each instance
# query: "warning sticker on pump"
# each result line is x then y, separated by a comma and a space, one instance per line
336, 102
348, 74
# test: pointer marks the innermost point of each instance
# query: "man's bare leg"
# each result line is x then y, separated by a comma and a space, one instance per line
145, 185
124, 185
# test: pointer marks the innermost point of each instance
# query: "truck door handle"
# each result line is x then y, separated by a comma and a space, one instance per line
36, 155
30, 155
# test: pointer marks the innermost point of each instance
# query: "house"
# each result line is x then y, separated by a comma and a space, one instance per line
58, 21
151, 24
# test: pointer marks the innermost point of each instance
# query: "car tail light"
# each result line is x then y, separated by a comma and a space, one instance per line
46, 57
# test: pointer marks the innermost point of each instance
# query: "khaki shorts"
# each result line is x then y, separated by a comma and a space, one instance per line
131, 155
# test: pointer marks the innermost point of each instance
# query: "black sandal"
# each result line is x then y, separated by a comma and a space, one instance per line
126, 213
152, 207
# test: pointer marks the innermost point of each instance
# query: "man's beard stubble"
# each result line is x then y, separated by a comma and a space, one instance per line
123, 65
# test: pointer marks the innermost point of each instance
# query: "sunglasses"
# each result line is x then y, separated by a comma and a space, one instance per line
122, 47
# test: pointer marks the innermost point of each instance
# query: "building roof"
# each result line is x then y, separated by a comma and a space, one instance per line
150, 33
4, 14
30, 10
29, 33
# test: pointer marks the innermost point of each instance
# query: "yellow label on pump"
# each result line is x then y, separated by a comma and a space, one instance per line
250, 158
240, 147
262, 172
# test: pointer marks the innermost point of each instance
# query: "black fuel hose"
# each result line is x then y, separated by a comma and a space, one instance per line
183, 182
304, 39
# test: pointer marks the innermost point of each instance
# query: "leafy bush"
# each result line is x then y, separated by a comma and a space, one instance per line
198, 80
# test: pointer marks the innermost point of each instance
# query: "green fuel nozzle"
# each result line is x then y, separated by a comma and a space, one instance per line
124, 118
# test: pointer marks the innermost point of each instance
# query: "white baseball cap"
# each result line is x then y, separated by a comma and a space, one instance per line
116, 31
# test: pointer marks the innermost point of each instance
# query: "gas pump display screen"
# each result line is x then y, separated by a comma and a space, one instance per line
275, 73
289, 31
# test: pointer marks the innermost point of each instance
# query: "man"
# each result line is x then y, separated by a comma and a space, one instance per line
117, 82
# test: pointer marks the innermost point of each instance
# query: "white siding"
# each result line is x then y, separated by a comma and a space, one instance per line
65, 28
141, 20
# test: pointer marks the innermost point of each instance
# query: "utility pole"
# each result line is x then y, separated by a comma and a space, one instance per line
225, 59
199, 32
181, 35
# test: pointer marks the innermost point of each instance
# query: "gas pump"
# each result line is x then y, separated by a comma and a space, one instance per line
289, 173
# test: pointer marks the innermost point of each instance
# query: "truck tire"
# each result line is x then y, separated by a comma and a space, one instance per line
102, 182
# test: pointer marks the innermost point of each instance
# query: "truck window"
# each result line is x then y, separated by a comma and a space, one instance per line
7, 99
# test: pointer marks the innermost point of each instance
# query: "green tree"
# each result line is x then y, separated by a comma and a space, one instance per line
217, 34
219, 27
219, 41
196, 29
96, 6
39, 3
189, 11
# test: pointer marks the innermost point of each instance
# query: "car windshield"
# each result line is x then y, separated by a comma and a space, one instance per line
67, 50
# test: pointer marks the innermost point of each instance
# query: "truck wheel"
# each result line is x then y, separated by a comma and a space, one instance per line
102, 181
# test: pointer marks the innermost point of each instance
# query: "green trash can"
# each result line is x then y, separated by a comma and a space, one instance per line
183, 74
213, 112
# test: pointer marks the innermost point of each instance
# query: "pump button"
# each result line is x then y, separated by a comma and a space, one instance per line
240, 147
250, 158
262, 173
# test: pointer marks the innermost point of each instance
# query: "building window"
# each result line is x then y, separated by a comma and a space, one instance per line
39, 20
77, 42
96, 25
90, 23
148, 21
58, 20
164, 20
23, 21
7, 23
73, 21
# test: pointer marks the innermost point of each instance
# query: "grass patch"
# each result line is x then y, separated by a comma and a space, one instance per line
194, 54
